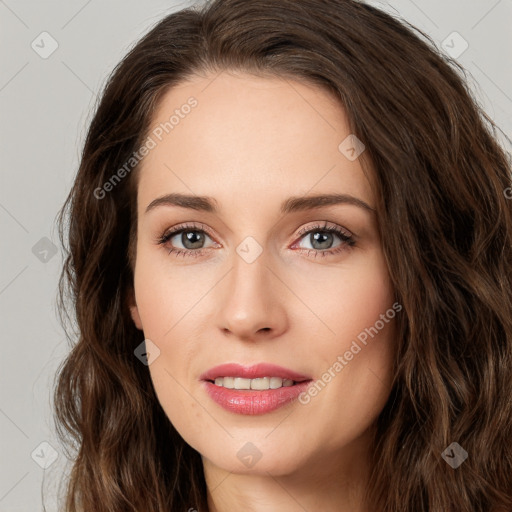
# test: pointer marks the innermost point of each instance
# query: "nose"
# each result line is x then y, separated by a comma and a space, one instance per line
251, 305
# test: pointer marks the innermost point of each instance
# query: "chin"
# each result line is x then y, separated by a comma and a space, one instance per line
256, 458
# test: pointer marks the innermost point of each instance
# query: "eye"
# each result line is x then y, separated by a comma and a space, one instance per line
321, 240
192, 237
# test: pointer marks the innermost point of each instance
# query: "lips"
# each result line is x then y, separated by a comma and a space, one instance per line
252, 372
252, 402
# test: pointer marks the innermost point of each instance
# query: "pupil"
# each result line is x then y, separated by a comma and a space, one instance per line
323, 238
192, 239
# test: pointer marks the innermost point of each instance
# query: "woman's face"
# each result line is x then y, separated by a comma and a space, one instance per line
258, 277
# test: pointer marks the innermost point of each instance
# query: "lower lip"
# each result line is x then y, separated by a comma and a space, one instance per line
252, 402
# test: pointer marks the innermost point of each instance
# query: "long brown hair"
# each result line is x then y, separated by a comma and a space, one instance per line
441, 182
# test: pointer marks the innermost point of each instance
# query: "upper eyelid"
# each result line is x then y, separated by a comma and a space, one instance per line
328, 226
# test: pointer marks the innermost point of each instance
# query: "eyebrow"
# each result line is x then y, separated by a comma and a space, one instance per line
290, 205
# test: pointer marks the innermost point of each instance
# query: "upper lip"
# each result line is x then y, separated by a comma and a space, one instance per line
252, 372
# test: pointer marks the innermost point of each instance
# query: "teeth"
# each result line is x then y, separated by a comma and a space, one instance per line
257, 384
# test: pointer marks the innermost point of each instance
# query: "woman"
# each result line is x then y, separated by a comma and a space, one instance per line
290, 259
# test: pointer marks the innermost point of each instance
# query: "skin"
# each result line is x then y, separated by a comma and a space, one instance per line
251, 143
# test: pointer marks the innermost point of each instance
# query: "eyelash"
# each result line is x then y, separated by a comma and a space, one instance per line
347, 240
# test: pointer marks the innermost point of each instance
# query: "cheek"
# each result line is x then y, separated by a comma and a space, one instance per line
165, 302
356, 357
165, 295
342, 301
366, 327
368, 296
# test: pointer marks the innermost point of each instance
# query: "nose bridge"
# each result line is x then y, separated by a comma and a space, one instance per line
251, 301
250, 271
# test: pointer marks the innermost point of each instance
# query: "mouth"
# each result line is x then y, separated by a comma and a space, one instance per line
258, 389
233, 375
250, 401
257, 384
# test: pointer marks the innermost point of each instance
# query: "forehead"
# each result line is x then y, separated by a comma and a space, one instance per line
253, 137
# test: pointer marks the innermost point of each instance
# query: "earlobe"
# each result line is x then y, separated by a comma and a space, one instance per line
134, 312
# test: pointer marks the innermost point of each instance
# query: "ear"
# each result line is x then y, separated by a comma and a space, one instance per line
134, 310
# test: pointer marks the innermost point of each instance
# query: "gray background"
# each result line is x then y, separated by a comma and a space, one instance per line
45, 105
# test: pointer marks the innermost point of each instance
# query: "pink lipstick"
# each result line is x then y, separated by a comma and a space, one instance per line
256, 389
